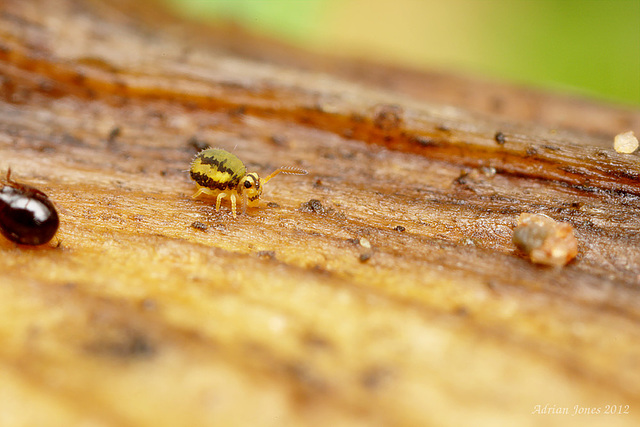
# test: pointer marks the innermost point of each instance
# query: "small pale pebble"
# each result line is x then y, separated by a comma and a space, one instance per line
545, 240
625, 142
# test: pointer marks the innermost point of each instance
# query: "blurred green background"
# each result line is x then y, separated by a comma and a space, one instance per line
589, 47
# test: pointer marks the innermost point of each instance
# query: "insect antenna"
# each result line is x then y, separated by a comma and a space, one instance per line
290, 170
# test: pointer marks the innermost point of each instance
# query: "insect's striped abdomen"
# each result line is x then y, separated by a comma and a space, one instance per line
217, 169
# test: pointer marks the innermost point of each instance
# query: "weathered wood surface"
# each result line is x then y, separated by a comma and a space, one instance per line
285, 316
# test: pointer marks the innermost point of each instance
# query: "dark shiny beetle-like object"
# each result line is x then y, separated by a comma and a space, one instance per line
27, 216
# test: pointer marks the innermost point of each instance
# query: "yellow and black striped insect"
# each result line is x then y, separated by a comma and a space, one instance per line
219, 174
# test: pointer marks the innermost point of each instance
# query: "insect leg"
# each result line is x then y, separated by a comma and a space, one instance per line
245, 202
219, 200
202, 190
233, 204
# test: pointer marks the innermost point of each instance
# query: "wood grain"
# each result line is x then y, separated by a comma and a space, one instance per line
381, 289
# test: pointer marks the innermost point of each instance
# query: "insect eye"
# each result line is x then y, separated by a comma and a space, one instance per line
247, 184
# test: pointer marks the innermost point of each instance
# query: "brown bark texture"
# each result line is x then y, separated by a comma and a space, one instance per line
381, 289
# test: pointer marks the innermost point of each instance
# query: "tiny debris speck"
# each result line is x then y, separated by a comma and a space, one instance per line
313, 205
266, 254
365, 256
199, 226
387, 116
